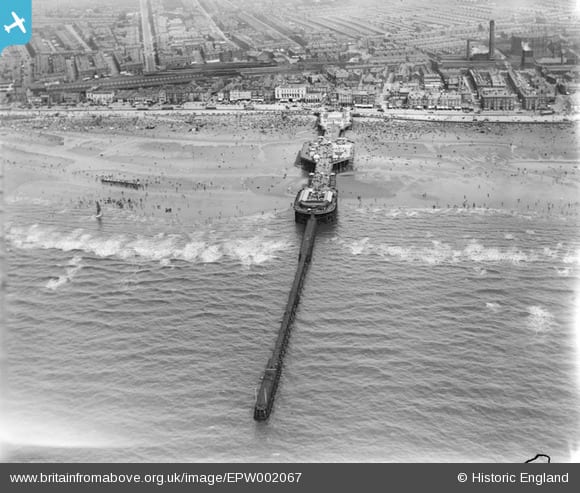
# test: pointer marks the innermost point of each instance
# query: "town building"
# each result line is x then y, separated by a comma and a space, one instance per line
290, 93
497, 99
99, 96
240, 95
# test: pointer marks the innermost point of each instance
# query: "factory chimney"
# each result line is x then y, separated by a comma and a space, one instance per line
491, 39
468, 52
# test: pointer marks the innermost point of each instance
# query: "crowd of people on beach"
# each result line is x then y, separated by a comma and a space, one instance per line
487, 156
238, 124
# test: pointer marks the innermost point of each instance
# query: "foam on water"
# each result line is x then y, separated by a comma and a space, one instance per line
572, 257
415, 212
539, 319
478, 253
359, 246
160, 248
259, 217
494, 307
441, 252
211, 254
18, 199
74, 266
254, 251
549, 253
192, 250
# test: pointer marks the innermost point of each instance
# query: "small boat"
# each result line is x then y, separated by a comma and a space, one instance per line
99, 211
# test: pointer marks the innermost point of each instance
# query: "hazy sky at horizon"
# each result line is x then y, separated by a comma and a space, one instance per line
503, 3
499, 5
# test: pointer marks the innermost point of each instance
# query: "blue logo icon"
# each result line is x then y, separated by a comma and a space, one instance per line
15, 22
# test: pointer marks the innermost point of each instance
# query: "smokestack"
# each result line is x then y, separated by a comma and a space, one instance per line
491, 39
527, 54
468, 52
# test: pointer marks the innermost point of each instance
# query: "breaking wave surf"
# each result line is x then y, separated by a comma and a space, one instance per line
539, 319
161, 248
440, 252
73, 267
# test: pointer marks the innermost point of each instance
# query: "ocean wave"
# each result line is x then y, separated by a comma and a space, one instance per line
27, 200
539, 319
549, 253
572, 257
161, 248
440, 252
494, 307
253, 251
478, 253
359, 246
422, 211
74, 266
258, 217
436, 255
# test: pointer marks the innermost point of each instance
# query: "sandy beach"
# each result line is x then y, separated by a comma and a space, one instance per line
192, 171
202, 168
444, 165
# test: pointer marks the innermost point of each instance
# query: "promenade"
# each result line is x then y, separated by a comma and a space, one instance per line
462, 117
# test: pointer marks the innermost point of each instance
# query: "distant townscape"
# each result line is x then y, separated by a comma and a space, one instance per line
455, 55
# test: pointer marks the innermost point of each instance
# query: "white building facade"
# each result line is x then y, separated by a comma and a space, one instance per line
290, 93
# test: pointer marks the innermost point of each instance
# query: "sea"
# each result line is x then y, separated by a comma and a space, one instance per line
447, 335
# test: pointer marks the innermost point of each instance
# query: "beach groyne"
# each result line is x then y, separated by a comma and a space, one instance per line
270, 379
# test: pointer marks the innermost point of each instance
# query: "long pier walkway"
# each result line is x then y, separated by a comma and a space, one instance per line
325, 157
269, 385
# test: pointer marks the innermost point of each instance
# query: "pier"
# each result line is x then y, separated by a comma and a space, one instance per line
316, 202
271, 378
327, 156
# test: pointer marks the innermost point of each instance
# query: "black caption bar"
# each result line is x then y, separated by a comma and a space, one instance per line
289, 477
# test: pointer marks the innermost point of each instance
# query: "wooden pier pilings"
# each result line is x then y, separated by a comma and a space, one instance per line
271, 378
